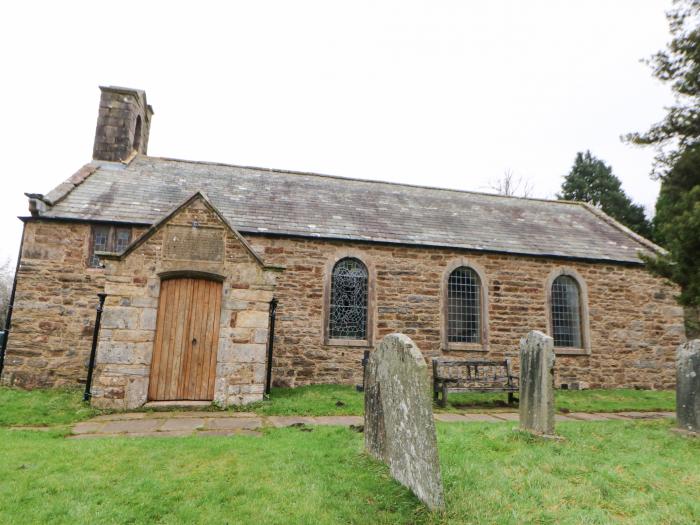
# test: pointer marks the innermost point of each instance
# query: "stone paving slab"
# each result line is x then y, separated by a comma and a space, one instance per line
131, 426
286, 421
233, 423
339, 420
466, 418
583, 416
201, 423
645, 415
179, 433
189, 424
120, 416
507, 416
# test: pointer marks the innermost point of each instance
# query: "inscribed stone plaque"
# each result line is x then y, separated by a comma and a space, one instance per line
688, 386
399, 426
537, 383
186, 243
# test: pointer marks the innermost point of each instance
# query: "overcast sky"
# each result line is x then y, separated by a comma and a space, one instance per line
441, 93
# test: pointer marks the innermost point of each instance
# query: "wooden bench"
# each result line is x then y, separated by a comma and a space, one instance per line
472, 376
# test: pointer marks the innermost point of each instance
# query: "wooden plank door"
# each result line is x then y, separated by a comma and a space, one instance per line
183, 366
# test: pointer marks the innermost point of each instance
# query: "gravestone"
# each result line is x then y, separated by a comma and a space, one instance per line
688, 387
537, 383
399, 426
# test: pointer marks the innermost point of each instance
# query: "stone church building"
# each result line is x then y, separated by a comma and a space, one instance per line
191, 255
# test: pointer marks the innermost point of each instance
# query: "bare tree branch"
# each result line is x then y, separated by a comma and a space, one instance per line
512, 186
6, 277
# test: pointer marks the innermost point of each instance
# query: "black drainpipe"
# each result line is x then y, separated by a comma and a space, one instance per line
270, 343
5, 334
95, 333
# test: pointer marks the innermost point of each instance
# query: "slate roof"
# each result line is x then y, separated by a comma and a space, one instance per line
256, 200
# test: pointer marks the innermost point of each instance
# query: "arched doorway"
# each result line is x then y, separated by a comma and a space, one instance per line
183, 366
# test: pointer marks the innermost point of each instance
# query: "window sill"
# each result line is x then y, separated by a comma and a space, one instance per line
562, 350
347, 342
466, 347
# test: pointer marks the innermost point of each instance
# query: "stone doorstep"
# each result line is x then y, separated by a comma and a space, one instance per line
178, 404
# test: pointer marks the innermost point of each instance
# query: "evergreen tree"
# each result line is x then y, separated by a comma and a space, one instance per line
591, 180
677, 140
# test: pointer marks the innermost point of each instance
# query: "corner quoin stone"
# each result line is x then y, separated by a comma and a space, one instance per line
537, 383
399, 426
688, 386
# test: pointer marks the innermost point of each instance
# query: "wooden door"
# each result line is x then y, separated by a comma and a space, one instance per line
187, 338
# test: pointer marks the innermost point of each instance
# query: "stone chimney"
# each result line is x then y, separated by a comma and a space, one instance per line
123, 124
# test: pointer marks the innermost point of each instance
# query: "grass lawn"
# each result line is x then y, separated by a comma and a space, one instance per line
322, 400
604, 472
42, 407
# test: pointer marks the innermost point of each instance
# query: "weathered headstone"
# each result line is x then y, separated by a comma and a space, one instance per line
399, 426
537, 383
688, 386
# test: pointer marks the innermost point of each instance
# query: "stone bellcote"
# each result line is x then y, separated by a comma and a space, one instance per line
123, 124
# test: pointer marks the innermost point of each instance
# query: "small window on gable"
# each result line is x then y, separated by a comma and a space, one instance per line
105, 238
464, 306
566, 312
348, 305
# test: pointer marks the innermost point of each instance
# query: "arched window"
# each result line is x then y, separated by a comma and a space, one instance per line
464, 306
137, 134
566, 312
348, 300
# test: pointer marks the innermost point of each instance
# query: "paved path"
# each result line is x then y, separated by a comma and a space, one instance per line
162, 424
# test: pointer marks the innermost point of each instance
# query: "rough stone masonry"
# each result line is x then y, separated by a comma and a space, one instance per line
537, 383
688, 386
399, 426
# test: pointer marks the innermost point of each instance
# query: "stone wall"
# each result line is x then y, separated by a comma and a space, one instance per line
635, 323
54, 308
129, 321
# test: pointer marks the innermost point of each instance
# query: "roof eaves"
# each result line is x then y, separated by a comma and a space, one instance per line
61, 191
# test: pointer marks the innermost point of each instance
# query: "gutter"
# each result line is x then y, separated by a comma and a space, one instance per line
10, 307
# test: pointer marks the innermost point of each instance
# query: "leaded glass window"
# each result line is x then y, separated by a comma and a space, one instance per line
122, 238
348, 306
100, 241
108, 239
464, 306
566, 312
